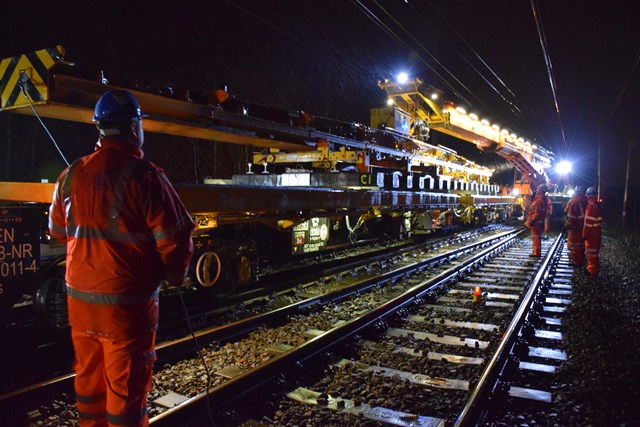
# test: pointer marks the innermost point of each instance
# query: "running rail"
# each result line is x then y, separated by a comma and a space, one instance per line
476, 404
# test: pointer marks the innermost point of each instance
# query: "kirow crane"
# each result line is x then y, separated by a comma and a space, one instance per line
427, 110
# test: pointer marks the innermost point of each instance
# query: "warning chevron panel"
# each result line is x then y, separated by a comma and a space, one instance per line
28, 72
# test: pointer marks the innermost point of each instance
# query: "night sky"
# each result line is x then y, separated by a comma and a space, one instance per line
326, 57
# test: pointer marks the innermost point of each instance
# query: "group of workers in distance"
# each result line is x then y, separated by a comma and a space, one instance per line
583, 225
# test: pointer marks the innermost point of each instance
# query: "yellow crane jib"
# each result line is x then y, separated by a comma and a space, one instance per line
425, 106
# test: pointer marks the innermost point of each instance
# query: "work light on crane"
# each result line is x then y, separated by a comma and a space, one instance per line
564, 167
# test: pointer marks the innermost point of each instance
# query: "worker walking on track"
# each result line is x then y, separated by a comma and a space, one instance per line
536, 216
125, 229
591, 232
574, 211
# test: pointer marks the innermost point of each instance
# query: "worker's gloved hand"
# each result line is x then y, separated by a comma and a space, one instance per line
178, 281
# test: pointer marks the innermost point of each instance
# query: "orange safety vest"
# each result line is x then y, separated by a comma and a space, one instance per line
125, 229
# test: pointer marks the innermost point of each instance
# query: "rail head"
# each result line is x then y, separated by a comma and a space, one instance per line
473, 410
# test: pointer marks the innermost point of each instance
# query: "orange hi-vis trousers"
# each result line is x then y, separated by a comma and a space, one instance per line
575, 244
112, 379
593, 243
536, 238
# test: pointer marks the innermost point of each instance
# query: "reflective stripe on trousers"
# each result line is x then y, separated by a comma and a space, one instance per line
575, 244
119, 372
593, 257
536, 233
91, 409
110, 299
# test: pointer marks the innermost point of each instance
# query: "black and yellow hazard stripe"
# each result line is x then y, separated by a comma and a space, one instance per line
31, 69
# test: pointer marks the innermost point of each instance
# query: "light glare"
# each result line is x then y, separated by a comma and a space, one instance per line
564, 167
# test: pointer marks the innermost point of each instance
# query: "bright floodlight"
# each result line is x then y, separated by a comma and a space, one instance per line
564, 167
571, 192
515, 192
403, 77
390, 101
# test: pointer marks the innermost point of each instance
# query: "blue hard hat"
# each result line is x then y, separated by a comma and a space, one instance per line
117, 105
591, 191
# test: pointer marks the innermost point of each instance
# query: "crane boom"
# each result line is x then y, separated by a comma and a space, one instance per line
427, 110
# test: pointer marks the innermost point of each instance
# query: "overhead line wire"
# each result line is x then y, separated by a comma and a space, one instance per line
292, 23
371, 15
625, 85
512, 104
288, 35
428, 53
543, 43
482, 61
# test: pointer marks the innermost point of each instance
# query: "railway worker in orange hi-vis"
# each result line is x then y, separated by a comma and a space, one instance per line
126, 230
574, 210
591, 232
536, 216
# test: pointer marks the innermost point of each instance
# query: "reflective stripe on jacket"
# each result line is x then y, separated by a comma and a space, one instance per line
575, 210
592, 219
537, 210
125, 229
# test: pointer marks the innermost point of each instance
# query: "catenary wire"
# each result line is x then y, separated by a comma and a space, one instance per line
371, 15
378, 22
311, 34
547, 59
511, 103
625, 85
519, 109
286, 34
385, 28
409, 33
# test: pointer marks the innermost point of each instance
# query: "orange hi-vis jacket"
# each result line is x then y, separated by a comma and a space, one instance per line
591, 233
592, 221
125, 229
575, 209
538, 210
